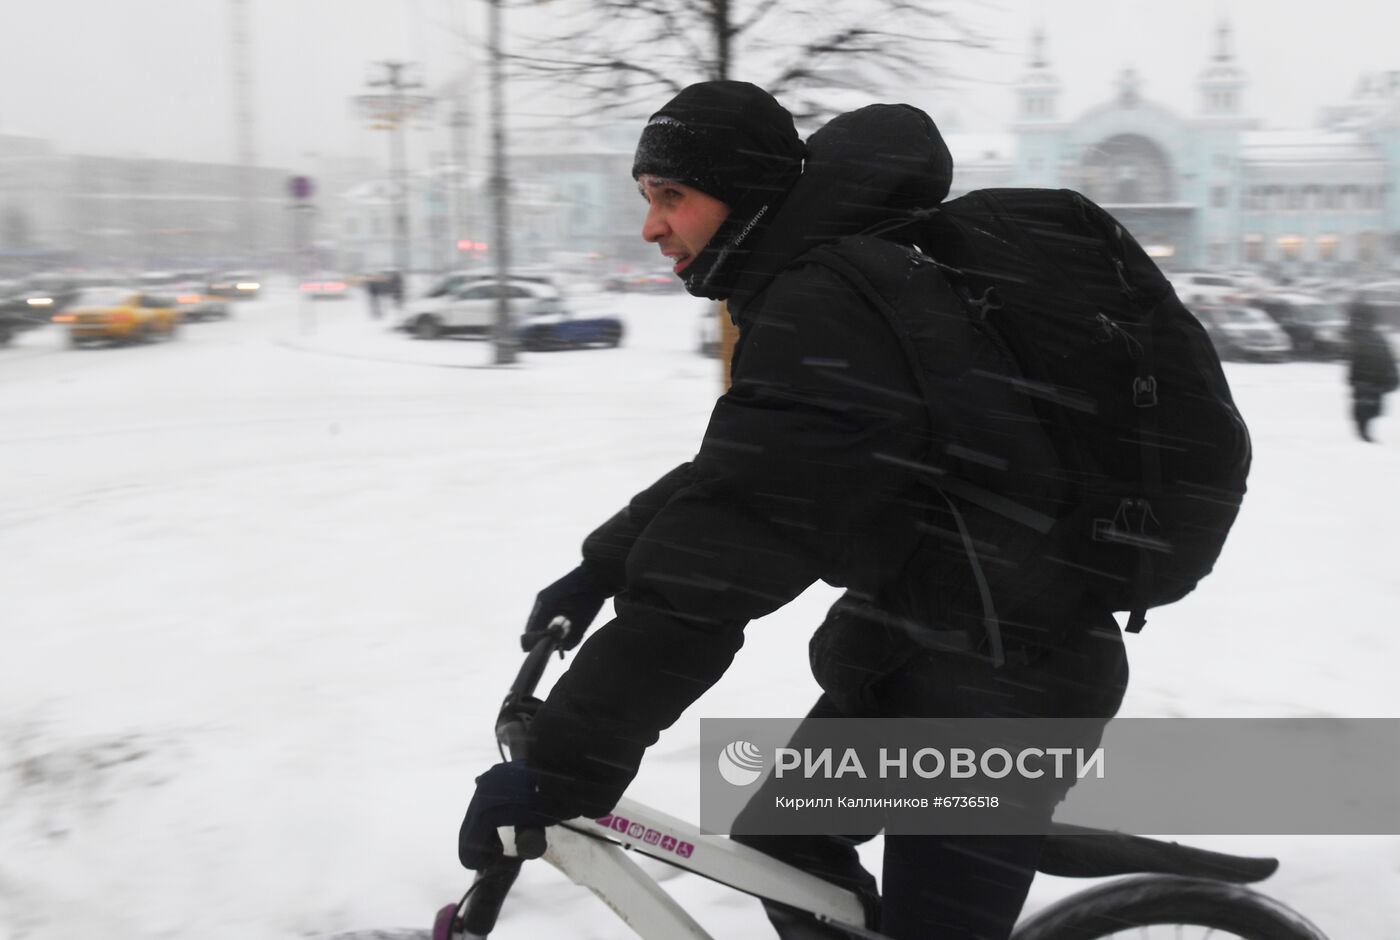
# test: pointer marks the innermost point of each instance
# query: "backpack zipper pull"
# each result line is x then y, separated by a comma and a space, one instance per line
1123, 278
1111, 329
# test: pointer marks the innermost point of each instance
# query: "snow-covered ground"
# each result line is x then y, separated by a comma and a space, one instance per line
260, 591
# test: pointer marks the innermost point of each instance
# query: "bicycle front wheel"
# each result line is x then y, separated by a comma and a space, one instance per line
1181, 907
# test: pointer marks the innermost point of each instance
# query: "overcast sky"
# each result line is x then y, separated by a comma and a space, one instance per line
153, 76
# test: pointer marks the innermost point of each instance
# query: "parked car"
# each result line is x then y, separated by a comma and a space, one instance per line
1241, 332
1316, 327
1203, 287
645, 282
9, 326
561, 331
470, 309
24, 308
238, 285
452, 282
49, 293
192, 291
120, 314
326, 285
15, 315
195, 301
1385, 297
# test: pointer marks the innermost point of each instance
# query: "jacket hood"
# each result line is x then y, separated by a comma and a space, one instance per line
874, 167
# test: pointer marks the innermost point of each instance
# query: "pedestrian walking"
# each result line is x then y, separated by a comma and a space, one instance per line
1371, 372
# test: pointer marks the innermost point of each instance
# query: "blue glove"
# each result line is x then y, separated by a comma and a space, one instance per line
577, 596
506, 795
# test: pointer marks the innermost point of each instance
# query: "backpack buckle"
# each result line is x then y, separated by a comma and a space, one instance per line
1133, 524
1145, 391
990, 300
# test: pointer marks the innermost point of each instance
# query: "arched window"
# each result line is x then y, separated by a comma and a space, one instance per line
1128, 168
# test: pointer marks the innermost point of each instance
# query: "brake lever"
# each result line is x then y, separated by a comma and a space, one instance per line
557, 632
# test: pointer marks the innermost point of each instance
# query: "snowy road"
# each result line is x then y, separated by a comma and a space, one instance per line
261, 588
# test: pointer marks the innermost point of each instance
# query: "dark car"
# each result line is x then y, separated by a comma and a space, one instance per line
1317, 327
24, 308
543, 334
50, 291
236, 285
1241, 332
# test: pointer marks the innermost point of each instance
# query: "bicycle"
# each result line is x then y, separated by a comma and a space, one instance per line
1167, 884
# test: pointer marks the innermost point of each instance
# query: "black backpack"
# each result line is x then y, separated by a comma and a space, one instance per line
1116, 463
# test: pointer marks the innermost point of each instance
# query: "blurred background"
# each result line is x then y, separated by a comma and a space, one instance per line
271, 515
148, 135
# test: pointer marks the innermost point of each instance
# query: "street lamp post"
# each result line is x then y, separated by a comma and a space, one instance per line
504, 334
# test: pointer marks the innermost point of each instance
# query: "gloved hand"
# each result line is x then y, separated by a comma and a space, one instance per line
505, 796
577, 596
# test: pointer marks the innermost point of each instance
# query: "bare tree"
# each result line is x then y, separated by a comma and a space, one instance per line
623, 57
619, 55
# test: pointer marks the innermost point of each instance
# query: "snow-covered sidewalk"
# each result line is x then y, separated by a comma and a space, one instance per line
263, 586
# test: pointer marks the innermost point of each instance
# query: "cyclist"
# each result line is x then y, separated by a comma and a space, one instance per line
810, 469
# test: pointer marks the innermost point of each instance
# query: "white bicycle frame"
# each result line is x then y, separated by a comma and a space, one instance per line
594, 854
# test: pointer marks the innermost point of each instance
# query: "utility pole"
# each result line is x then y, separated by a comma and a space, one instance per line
243, 124
391, 111
504, 334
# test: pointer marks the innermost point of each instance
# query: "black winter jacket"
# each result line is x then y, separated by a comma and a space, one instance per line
806, 472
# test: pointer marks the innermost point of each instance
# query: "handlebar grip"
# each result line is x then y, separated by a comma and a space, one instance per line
530, 842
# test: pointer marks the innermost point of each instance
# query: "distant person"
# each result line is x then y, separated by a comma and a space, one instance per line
1372, 373
394, 284
373, 286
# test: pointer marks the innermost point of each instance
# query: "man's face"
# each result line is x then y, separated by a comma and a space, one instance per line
680, 218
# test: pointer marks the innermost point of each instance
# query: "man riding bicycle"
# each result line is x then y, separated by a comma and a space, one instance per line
810, 469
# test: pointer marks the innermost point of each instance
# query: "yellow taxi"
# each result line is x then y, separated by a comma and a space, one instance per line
120, 314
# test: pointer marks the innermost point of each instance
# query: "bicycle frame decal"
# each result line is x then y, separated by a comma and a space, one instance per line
642, 833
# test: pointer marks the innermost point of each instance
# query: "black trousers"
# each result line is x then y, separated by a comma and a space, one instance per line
950, 887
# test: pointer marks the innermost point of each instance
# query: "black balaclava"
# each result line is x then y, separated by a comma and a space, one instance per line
732, 141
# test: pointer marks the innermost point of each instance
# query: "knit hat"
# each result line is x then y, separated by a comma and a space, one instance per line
733, 141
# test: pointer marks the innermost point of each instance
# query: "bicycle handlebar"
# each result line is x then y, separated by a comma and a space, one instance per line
482, 905
516, 707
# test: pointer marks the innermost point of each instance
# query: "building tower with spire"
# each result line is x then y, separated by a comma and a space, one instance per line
1038, 124
1222, 82
1221, 122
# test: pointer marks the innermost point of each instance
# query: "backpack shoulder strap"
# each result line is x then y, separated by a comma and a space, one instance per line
886, 261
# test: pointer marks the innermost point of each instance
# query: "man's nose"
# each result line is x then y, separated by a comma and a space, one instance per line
654, 227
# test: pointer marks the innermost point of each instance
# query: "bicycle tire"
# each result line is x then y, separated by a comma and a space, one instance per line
1167, 901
